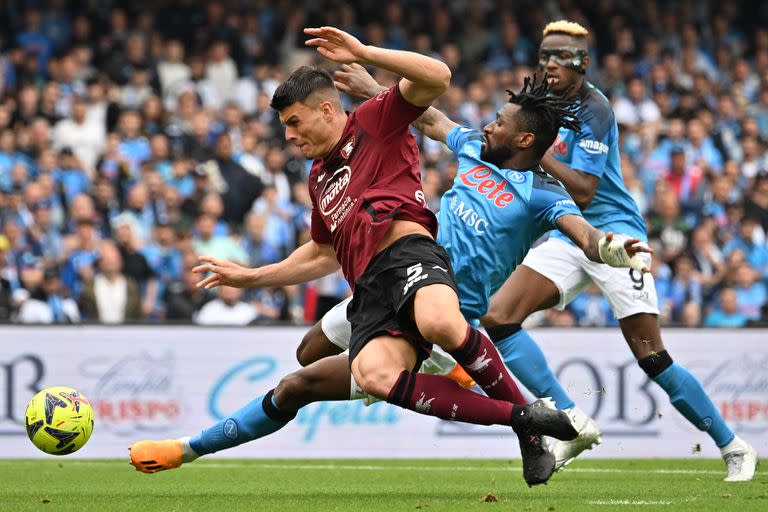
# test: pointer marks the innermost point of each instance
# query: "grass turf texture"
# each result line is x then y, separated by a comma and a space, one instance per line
373, 485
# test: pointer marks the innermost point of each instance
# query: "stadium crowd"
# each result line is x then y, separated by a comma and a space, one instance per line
135, 139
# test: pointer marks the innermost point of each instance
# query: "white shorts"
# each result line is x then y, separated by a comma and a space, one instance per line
336, 326
628, 291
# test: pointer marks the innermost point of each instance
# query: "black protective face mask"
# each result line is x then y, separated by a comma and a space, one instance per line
570, 57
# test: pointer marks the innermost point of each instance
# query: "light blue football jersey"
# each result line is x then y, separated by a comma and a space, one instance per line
596, 151
490, 218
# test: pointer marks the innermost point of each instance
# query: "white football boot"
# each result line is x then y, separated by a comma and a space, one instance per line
589, 437
741, 460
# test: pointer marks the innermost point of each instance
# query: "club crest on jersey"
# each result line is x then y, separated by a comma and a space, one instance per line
346, 150
515, 176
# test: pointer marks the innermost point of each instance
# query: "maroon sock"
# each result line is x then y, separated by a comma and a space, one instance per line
437, 395
482, 362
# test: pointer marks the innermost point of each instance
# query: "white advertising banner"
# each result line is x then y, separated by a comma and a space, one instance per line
161, 382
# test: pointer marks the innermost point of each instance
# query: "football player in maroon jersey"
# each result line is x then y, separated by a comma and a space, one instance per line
369, 218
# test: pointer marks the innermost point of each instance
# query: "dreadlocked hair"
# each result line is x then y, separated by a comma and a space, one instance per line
543, 113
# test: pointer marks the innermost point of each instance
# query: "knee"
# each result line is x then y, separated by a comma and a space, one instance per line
444, 331
656, 363
376, 382
503, 314
303, 355
293, 388
313, 346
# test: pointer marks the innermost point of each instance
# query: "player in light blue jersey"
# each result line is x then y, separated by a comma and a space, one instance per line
587, 163
500, 203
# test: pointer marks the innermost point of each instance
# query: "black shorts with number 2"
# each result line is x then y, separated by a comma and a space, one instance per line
383, 294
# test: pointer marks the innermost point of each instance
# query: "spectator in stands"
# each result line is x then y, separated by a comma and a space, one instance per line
278, 232
667, 226
183, 299
139, 210
636, 107
41, 300
727, 315
702, 151
220, 70
137, 90
756, 205
171, 71
43, 236
750, 292
275, 177
213, 205
685, 180
85, 138
227, 309
135, 265
207, 243
110, 297
684, 288
71, 176
756, 253
83, 253
238, 188
133, 147
163, 257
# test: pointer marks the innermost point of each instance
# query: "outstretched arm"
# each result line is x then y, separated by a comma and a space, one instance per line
308, 262
354, 80
580, 185
602, 248
424, 78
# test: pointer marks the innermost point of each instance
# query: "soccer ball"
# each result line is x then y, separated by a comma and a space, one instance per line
59, 420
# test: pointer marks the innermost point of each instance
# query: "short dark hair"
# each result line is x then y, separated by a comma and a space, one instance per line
300, 85
542, 113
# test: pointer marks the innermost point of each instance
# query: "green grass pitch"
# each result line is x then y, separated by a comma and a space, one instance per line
372, 485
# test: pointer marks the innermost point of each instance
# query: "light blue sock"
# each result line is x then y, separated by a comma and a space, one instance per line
259, 418
525, 360
690, 399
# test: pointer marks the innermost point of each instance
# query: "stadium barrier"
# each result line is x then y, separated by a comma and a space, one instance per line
160, 382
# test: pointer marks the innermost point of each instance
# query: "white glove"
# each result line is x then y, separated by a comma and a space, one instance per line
614, 254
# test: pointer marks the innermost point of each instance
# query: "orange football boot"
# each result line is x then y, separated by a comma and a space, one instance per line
154, 456
459, 375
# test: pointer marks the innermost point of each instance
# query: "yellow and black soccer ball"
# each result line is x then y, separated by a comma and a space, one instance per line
59, 420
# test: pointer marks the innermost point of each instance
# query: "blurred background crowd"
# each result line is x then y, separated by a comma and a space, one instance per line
136, 137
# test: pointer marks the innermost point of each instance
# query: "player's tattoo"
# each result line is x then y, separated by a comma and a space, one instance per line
428, 118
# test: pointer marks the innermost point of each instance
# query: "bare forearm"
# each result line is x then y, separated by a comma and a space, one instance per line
583, 234
308, 262
434, 124
579, 185
419, 69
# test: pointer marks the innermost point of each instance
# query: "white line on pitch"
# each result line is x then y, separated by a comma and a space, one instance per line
628, 502
368, 467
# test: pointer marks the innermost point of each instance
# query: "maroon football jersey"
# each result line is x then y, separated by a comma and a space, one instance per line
370, 178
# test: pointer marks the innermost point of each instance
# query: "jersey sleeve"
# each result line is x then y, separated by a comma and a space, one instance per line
460, 136
550, 201
387, 113
319, 231
590, 151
